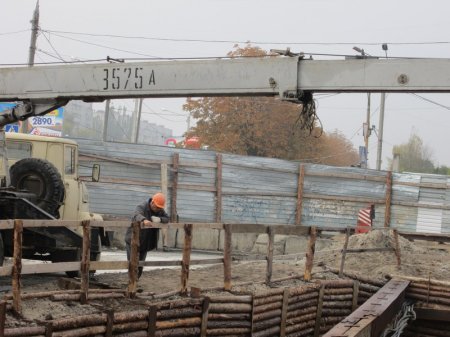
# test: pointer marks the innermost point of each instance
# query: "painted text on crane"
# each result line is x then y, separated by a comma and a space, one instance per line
128, 78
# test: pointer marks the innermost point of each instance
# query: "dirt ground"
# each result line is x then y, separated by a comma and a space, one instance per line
419, 259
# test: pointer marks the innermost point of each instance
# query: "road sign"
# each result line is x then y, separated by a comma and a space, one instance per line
12, 128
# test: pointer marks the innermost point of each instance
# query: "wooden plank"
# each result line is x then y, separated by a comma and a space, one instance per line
173, 204
426, 236
187, 248
227, 257
44, 268
6, 224
433, 314
310, 254
219, 188
397, 249
205, 313
85, 259
17, 266
387, 212
355, 295
291, 230
344, 252
134, 261
109, 323
369, 250
301, 179
269, 258
152, 318
284, 309
319, 311
164, 190
2, 318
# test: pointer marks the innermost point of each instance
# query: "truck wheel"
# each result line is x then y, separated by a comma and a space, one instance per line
41, 178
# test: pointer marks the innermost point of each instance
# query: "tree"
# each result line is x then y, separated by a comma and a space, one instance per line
414, 156
264, 126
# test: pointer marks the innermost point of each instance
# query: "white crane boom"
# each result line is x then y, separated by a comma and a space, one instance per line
43, 88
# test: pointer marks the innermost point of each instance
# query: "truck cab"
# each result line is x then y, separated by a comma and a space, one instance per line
44, 170
63, 155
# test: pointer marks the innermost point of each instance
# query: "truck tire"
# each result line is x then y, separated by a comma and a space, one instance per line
41, 178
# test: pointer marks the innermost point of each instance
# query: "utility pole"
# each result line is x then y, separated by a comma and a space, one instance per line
367, 130
32, 50
136, 120
384, 46
380, 130
105, 122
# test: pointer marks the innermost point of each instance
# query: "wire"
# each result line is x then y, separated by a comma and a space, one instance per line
102, 46
51, 45
249, 41
16, 32
431, 101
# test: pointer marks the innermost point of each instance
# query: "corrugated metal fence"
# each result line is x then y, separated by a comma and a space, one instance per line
204, 186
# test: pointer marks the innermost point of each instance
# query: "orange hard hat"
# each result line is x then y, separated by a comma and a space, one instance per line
159, 200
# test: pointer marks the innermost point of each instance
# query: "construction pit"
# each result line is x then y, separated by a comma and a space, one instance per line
357, 285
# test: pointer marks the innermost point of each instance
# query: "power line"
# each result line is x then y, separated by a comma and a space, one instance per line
431, 101
16, 32
249, 41
51, 45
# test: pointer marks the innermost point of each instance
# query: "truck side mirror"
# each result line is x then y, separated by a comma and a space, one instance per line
96, 172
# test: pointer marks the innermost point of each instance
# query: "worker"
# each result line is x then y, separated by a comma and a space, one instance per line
149, 212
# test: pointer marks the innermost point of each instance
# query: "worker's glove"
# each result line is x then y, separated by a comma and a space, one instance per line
156, 219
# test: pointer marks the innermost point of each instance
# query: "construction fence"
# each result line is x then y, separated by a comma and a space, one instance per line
205, 186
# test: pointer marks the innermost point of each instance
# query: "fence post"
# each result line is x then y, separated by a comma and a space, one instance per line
2, 318
186, 258
227, 257
387, 209
205, 313
344, 252
301, 179
85, 261
219, 188
319, 311
173, 203
133, 264
269, 257
397, 249
17, 265
284, 310
310, 253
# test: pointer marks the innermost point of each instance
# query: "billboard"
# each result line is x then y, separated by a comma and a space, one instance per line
15, 127
50, 124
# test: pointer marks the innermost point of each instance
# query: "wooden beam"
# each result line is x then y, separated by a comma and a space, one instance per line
344, 252
187, 248
300, 182
310, 254
17, 266
173, 204
134, 260
269, 257
387, 209
227, 257
219, 188
85, 259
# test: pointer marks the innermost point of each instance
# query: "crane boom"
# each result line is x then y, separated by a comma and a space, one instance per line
43, 88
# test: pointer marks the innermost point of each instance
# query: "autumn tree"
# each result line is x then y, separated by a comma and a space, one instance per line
264, 126
414, 156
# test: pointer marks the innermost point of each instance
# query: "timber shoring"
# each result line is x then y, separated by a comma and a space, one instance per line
295, 312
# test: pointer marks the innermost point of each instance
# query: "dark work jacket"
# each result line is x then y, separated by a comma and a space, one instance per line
148, 237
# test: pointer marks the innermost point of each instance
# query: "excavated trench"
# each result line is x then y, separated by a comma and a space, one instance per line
289, 307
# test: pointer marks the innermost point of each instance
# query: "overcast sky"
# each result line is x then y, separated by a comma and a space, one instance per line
155, 28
